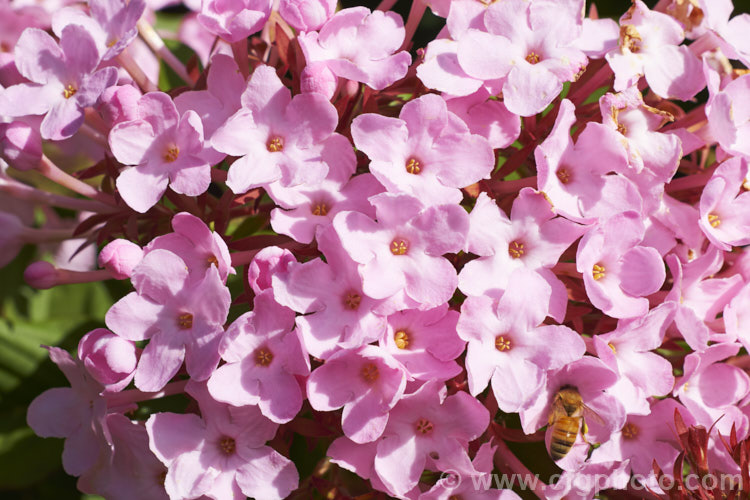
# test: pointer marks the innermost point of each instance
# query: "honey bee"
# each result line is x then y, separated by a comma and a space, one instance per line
567, 419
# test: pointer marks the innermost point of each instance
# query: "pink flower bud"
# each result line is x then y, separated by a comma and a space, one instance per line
268, 262
119, 257
20, 145
119, 104
307, 15
110, 359
41, 275
316, 77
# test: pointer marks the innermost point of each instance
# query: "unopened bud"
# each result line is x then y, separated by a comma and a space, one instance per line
268, 262
316, 77
20, 145
120, 257
110, 359
307, 15
41, 275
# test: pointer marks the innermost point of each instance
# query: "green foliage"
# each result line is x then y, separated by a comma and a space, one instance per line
30, 467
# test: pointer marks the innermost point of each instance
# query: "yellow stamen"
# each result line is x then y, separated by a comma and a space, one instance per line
185, 321
612, 346
69, 91
424, 426
399, 247
502, 343
402, 339
533, 57
598, 271
413, 166
320, 209
370, 372
227, 445
352, 300
630, 39
212, 260
630, 431
263, 357
563, 175
171, 154
714, 220
515, 249
275, 144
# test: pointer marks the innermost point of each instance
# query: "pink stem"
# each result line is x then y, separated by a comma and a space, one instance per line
66, 276
23, 192
55, 174
688, 182
134, 395
152, 38
415, 16
513, 186
239, 50
136, 73
386, 5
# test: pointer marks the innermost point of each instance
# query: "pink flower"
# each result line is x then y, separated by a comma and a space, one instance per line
532, 238
406, 239
336, 312
530, 46
132, 471
427, 152
590, 377
576, 177
618, 272
164, 148
426, 343
725, 205
646, 438
729, 115
425, 429
234, 20
627, 350
112, 23
698, 390
198, 246
75, 413
360, 46
306, 15
509, 348
263, 357
367, 382
64, 80
650, 46
220, 454
110, 359
277, 137
486, 117
183, 319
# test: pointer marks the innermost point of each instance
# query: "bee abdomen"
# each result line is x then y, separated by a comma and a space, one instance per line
564, 434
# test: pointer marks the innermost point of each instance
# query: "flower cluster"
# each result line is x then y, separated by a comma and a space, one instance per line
528, 230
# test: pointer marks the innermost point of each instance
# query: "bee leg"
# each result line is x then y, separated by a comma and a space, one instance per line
584, 431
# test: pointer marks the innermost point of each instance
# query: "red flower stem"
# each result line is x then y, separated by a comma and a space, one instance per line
136, 73
55, 174
688, 182
131, 396
152, 38
21, 191
239, 50
415, 16
386, 5
66, 276
512, 186
507, 463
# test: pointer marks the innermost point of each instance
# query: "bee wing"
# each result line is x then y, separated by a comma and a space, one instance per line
557, 410
590, 414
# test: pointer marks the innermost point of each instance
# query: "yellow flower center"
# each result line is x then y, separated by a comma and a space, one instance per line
69, 91
171, 154
598, 272
630, 39
212, 260
630, 431
502, 343
402, 339
352, 300
370, 372
533, 57
563, 175
263, 357
413, 166
515, 249
320, 209
714, 220
399, 247
185, 321
424, 426
227, 445
275, 144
